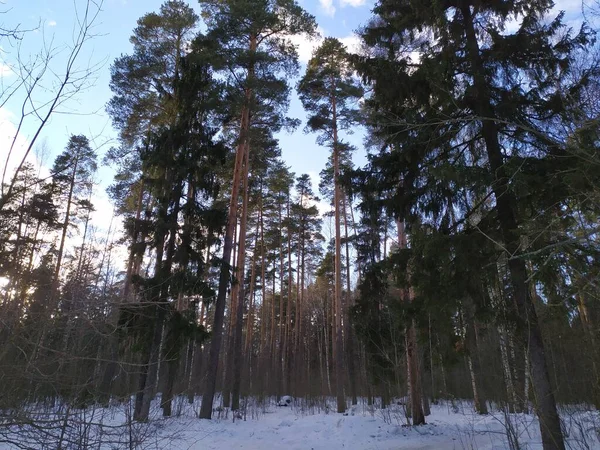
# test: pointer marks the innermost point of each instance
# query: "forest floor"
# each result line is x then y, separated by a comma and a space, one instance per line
317, 427
449, 427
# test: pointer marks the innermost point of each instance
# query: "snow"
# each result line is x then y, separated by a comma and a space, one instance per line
317, 427
365, 429
286, 400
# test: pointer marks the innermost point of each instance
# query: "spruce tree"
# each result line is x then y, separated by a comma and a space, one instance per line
451, 85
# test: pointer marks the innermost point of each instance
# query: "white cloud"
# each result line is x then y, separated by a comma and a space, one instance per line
327, 7
52, 23
103, 215
352, 43
5, 70
307, 45
572, 9
353, 3
569, 6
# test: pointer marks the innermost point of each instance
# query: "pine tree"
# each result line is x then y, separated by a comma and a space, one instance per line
330, 94
172, 83
143, 86
252, 38
305, 216
280, 181
72, 171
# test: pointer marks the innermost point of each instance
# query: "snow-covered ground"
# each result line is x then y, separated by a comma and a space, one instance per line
304, 427
365, 428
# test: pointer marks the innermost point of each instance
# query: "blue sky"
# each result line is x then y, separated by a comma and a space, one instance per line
55, 21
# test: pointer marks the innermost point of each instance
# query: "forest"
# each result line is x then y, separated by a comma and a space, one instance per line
460, 265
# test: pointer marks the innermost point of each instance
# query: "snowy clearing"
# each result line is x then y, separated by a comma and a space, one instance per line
374, 429
303, 427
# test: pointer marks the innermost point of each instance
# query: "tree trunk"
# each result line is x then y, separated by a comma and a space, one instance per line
327, 340
167, 396
529, 328
339, 337
349, 303
288, 321
225, 278
298, 346
479, 397
149, 368
233, 295
280, 331
241, 270
412, 350
251, 304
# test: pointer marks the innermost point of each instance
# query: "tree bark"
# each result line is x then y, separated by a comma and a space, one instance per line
349, 303
280, 331
471, 344
233, 295
529, 328
339, 336
412, 350
288, 321
225, 278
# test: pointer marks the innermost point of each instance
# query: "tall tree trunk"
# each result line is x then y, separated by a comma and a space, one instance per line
193, 382
471, 344
412, 351
327, 338
173, 349
349, 303
251, 303
299, 347
149, 367
86, 226
288, 322
475, 371
159, 292
529, 329
339, 337
241, 271
263, 268
172, 362
224, 278
233, 295
247, 353
282, 320
112, 346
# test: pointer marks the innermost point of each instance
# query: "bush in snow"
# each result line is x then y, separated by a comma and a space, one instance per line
286, 400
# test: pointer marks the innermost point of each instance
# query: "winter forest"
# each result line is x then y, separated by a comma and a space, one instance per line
441, 294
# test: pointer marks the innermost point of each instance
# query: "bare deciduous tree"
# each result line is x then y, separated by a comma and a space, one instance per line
46, 81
